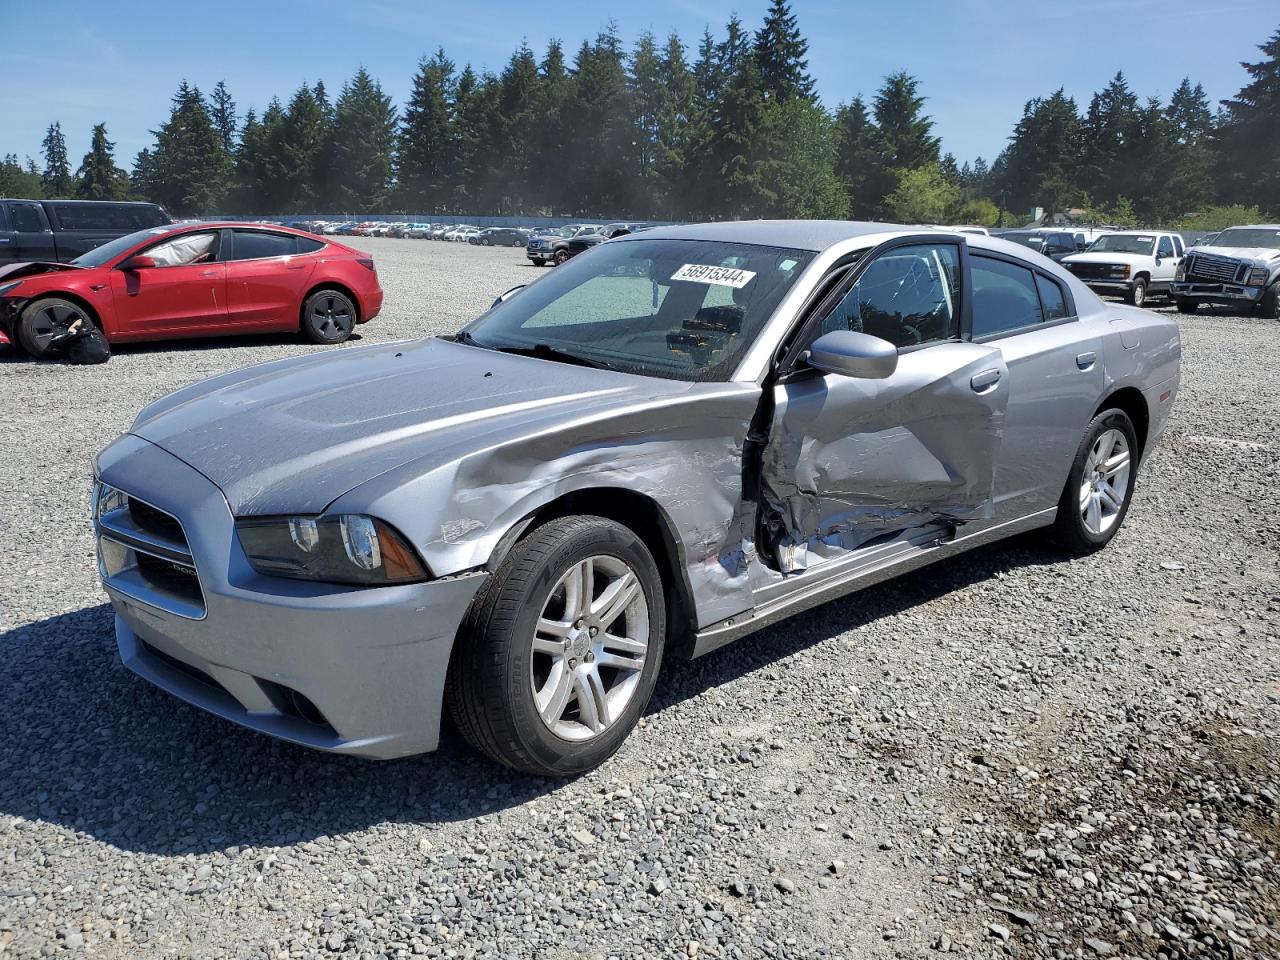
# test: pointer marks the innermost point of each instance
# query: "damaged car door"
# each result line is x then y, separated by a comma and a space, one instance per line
852, 460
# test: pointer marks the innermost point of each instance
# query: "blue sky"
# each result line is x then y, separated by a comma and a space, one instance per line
978, 60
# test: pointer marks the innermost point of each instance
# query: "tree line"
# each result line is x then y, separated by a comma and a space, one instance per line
733, 129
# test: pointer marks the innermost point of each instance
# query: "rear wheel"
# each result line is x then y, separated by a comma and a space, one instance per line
328, 317
560, 257
1100, 485
559, 654
44, 319
1186, 306
1137, 293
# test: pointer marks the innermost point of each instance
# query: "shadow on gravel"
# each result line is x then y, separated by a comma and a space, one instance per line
10, 354
95, 750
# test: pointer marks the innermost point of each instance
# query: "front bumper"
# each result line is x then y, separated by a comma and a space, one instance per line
348, 670
1109, 286
1224, 293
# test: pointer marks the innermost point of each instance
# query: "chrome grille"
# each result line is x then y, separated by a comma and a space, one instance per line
1205, 266
143, 553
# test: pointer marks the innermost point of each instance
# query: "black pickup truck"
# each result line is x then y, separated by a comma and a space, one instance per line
63, 229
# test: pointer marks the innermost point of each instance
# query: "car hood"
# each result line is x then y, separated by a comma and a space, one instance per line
1257, 256
30, 268
294, 435
1106, 256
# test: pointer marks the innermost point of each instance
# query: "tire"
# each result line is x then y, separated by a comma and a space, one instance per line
539, 263
559, 257
1137, 295
1088, 516
495, 668
328, 317
42, 319
1186, 306
1269, 305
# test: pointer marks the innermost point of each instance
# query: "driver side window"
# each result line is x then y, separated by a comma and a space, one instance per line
908, 296
185, 250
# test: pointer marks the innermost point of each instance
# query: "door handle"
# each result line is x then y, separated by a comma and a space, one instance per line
984, 381
1085, 361
209, 273
301, 266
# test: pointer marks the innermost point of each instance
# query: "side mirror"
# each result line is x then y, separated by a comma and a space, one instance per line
507, 295
852, 354
139, 263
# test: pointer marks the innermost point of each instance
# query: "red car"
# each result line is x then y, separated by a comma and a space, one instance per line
194, 280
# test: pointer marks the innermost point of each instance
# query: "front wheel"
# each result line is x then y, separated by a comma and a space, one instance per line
1269, 305
559, 654
1186, 306
1137, 295
1100, 485
43, 320
328, 317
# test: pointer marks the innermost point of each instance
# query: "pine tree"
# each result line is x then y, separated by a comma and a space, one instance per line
904, 138
222, 110
1190, 181
1250, 143
856, 155
17, 180
555, 87
187, 171
1043, 157
56, 181
100, 178
780, 51
675, 147
425, 150
363, 139
647, 95
1107, 131
515, 130
300, 150
597, 126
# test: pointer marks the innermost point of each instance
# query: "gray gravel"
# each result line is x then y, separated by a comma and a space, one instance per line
1008, 754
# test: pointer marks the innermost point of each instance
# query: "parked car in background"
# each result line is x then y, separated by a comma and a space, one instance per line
621, 229
553, 245
460, 233
417, 231
194, 280
61, 230
1240, 268
500, 237
661, 447
1129, 263
1054, 244
976, 231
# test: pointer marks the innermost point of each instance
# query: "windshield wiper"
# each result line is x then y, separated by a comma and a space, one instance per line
544, 351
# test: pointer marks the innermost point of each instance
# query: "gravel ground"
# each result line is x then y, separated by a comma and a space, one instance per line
1008, 754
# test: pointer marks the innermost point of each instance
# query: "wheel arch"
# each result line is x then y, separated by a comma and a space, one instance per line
1132, 402
71, 295
644, 517
336, 285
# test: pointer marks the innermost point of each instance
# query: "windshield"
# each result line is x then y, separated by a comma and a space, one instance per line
1268, 237
1124, 243
112, 249
678, 309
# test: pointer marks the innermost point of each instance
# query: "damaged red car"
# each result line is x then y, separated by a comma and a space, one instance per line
194, 280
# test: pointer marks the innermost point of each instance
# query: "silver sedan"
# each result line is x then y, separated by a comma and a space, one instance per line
671, 441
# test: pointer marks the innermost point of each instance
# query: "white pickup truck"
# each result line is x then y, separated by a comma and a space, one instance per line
1240, 269
1131, 263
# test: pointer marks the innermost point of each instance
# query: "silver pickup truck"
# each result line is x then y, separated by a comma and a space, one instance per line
1240, 269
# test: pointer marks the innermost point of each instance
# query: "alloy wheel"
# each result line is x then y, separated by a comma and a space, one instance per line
589, 647
331, 317
54, 319
1104, 485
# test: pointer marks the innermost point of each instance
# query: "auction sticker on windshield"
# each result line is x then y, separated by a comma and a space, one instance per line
722, 276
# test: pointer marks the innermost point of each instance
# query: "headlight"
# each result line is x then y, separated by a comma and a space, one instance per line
1181, 272
348, 548
1257, 277
1121, 270
5, 288
107, 499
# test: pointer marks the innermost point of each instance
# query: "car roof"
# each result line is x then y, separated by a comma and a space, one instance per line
1252, 226
1133, 233
814, 235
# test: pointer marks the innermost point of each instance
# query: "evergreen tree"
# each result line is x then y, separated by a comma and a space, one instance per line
780, 52
1043, 157
300, 151
856, 156
187, 171
598, 128
100, 178
56, 181
1108, 131
363, 139
648, 92
515, 131
675, 146
222, 110
17, 180
425, 149
1190, 180
1250, 144
737, 116
904, 138
550, 134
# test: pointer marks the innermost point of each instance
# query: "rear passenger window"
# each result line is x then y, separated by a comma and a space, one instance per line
1165, 249
93, 216
257, 244
307, 245
1177, 245
26, 218
1052, 299
1004, 297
